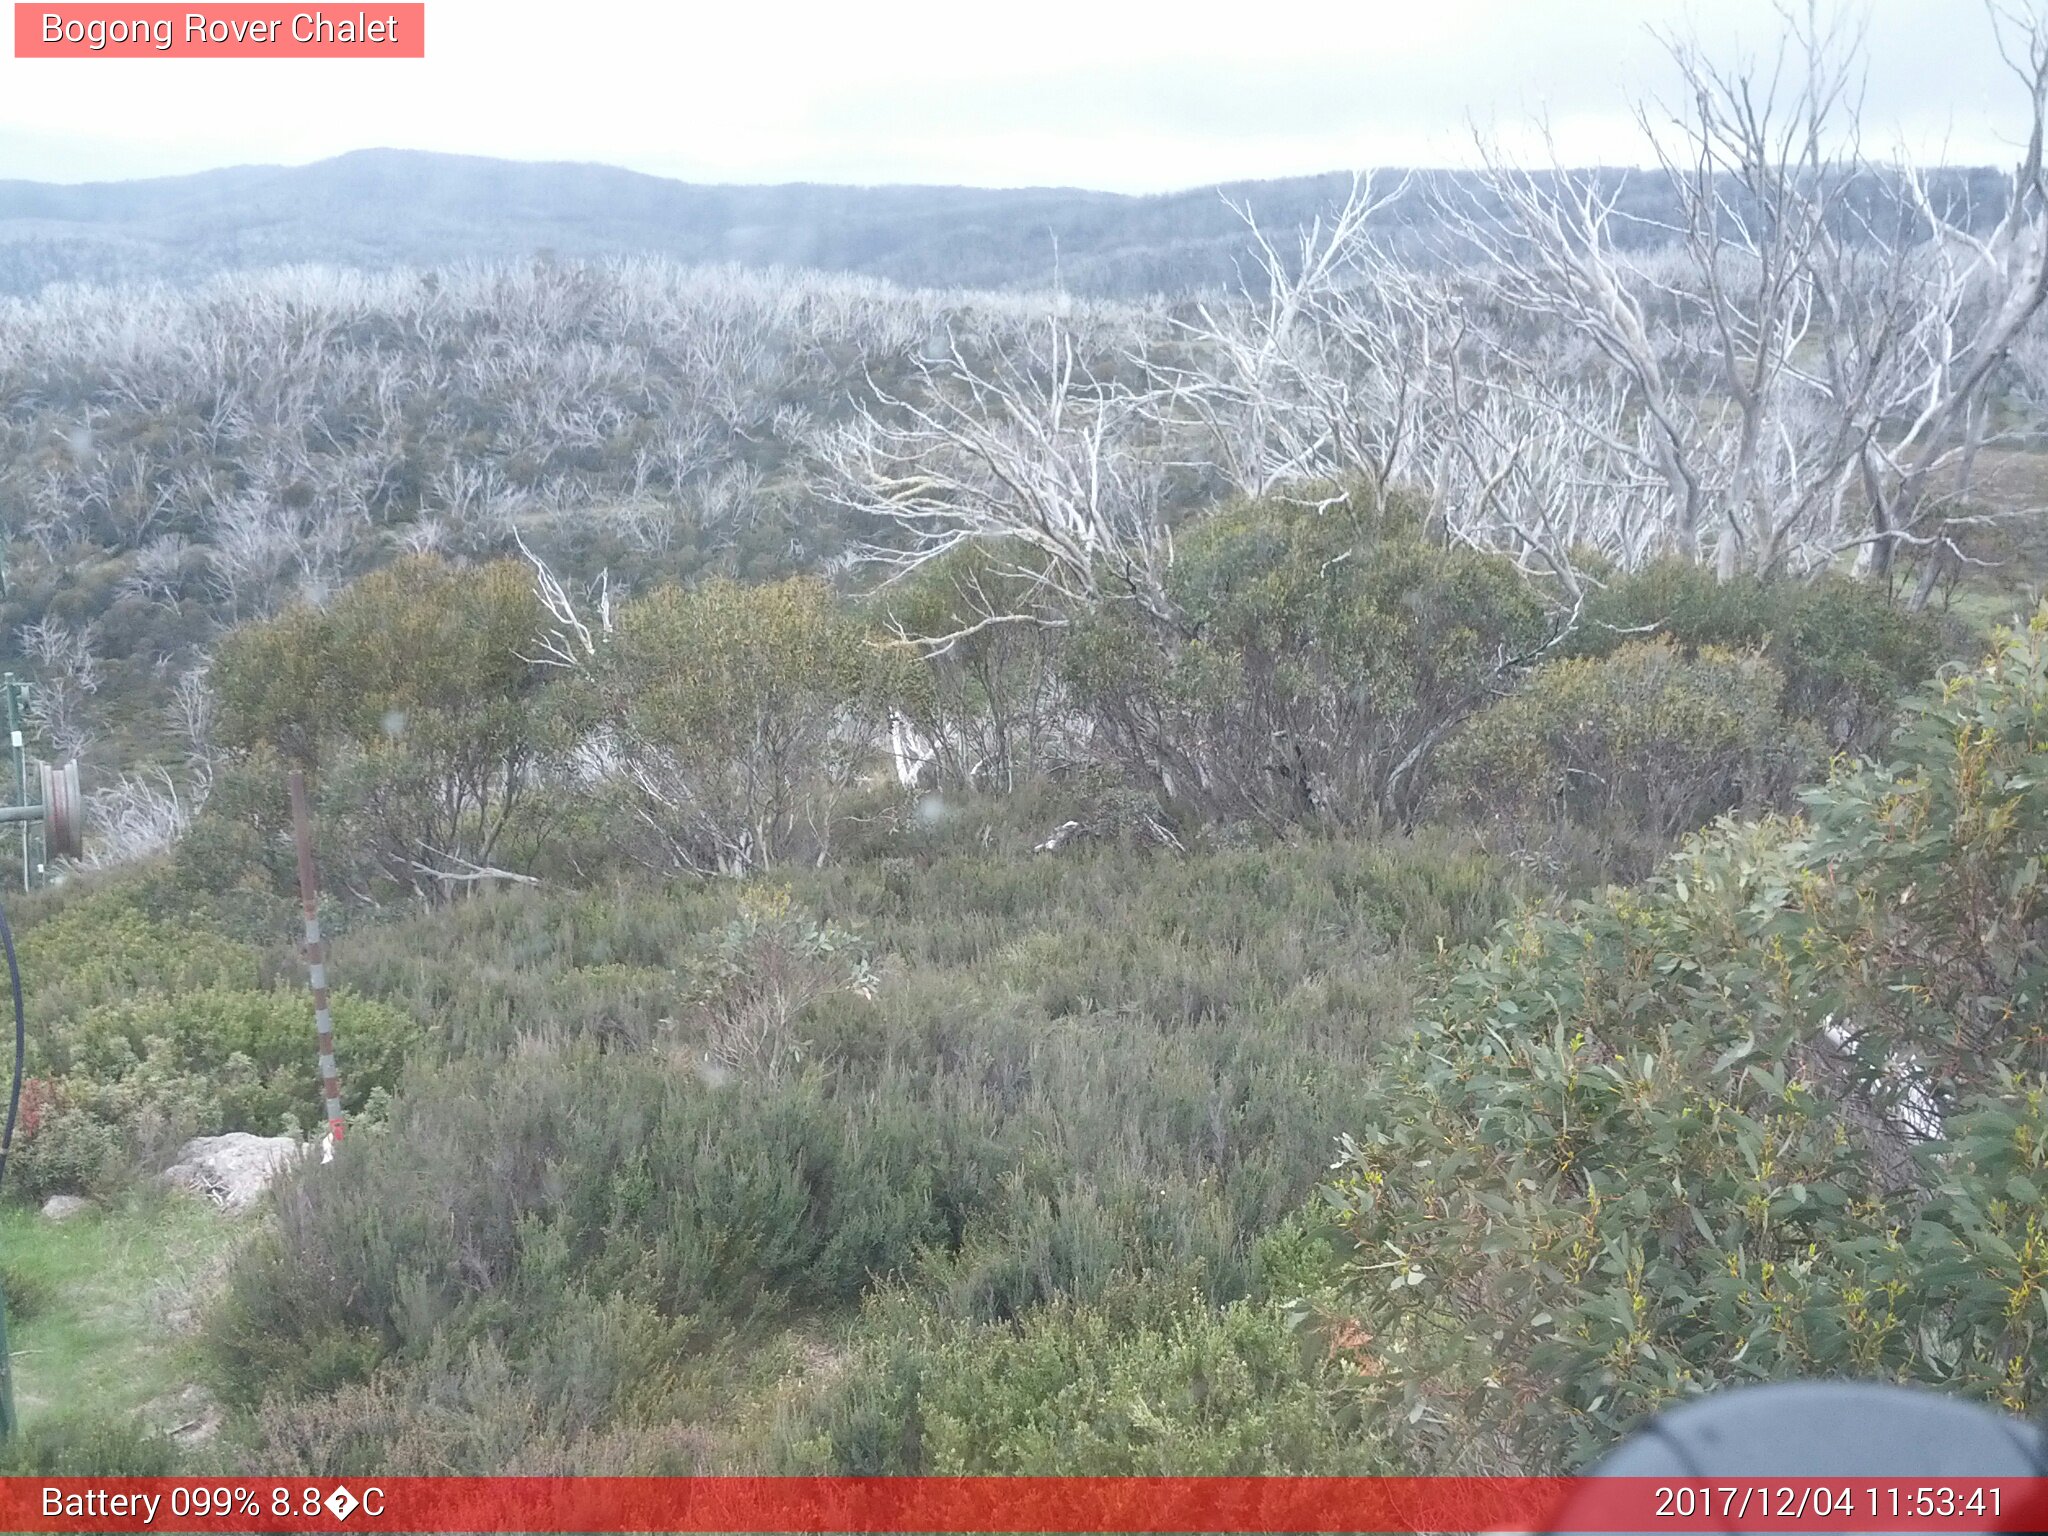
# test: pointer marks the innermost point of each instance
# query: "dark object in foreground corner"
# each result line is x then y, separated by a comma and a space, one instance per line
1847, 1429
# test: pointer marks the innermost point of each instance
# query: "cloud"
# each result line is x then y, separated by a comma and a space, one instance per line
1128, 95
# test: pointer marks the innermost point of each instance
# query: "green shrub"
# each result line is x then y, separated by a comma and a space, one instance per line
264, 1338
1073, 1075
89, 1139
413, 697
635, 1176
249, 1055
149, 1026
1318, 654
1143, 1383
1935, 908
28, 1292
104, 948
602, 1387
239, 844
125, 1083
87, 1445
1780, 1112
596, 1397
1847, 651
1645, 737
736, 757
440, 647
747, 997
990, 703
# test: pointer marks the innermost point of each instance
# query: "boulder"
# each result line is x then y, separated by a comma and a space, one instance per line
233, 1170
64, 1207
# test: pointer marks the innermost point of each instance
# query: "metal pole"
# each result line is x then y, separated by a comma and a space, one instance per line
20, 775
316, 956
7, 1420
8, 1423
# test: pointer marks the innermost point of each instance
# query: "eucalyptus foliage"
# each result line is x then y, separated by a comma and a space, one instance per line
1325, 646
1779, 1112
739, 715
413, 703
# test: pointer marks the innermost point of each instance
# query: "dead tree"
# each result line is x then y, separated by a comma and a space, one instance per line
1031, 454
1811, 356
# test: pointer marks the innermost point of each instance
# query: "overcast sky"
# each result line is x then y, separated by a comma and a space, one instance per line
1126, 95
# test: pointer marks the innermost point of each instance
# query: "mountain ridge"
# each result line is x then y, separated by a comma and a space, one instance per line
384, 207
378, 209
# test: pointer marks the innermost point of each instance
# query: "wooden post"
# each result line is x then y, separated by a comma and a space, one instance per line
316, 957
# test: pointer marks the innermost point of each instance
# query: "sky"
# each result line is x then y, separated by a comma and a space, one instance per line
1121, 95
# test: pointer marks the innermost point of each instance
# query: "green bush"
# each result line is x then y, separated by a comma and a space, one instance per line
990, 703
239, 844
596, 1396
1780, 1112
28, 1292
87, 1445
747, 997
413, 698
717, 1200
249, 1054
1847, 651
129, 1082
89, 1139
1071, 1074
1146, 1382
149, 1027
742, 714
104, 948
1319, 653
1646, 738
1934, 908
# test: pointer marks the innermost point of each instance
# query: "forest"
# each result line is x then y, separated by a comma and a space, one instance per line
1387, 868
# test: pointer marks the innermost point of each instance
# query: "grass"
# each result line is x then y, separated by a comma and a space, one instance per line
99, 1330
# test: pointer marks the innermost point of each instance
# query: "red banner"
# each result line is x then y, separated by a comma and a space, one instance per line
1015, 1504
224, 31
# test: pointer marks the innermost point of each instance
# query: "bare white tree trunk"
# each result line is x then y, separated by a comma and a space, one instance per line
1810, 359
1030, 453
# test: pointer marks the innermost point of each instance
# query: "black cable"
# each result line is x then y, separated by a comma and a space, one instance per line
20, 1042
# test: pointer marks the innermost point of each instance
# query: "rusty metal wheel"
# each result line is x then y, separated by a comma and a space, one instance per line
63, 811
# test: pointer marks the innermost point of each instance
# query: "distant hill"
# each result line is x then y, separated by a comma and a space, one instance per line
380, 208
383, 208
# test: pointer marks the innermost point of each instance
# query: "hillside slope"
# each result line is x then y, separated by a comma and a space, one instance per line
382, 208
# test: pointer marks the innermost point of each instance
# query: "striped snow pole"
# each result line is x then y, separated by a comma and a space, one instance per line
316, 957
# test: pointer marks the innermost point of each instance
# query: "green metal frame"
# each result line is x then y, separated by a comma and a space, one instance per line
23, 811
13, 685
28, 817
7, 1419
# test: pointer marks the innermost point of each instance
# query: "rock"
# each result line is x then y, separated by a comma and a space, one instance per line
233, 1170
1062, 835
64, 1207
